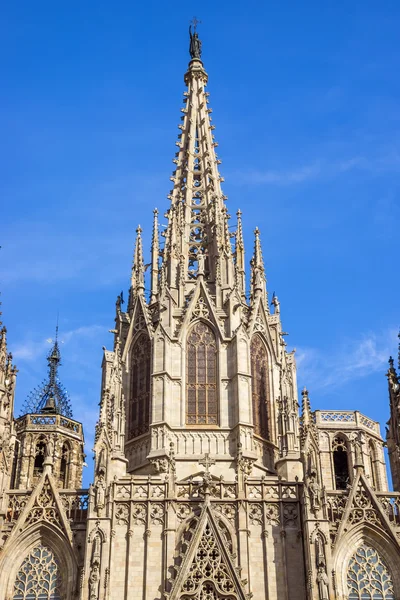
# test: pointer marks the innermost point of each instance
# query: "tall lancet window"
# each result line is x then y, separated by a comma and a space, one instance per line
260, 386
340, 463
202, 403
368, 576
139, 405
38, 577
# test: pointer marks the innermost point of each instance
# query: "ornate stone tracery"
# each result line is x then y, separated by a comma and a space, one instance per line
368, 576
39, 576
208, 576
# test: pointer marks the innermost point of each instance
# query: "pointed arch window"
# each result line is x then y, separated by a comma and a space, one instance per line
201, 376
372, 465
368, 576
139, 405
340, 463
260, 386
40, 452
39, 577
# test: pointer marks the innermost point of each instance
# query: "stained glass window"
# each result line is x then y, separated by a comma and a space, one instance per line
139, 405
368, 577
38, 577
260, 386
202, 403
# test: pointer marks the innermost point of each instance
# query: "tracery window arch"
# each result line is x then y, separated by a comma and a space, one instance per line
39, 577
340, 463
260, 386
139, 406
368, 576
201, 376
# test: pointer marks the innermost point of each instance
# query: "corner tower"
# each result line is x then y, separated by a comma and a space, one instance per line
204, 367
48, 439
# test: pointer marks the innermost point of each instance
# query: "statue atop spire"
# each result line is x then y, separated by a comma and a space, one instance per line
195, 42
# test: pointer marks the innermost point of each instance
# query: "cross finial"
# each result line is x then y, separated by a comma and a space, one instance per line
206, 462
195, 22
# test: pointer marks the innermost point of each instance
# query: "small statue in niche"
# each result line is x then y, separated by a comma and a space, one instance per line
94, 581
100, 493
314, 491
49, 451
323, 583
322, 577
201, 261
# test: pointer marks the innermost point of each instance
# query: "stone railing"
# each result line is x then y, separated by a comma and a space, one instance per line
193, 489
339, 418
75, 504
38, 421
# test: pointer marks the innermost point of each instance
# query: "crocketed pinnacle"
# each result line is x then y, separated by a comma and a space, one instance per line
239, 257
155, 252
307, 417
50, 397
137, 277
258, 278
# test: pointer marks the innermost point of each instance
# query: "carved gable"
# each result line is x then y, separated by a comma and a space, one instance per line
207, 571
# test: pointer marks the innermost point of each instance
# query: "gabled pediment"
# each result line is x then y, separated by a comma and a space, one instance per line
140, 322
363, 506
200, 307
43, 507
207, 569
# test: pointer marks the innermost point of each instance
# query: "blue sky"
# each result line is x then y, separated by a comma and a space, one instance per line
305, 99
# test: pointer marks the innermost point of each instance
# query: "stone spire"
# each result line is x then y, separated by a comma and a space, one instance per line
155, 253
258, 278
197, 239
239, 258
137, 276
307, 418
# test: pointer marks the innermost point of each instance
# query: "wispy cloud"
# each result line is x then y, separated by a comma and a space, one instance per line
30, 350
355, 359
319, 169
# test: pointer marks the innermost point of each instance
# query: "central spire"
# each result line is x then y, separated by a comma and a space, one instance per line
197, 239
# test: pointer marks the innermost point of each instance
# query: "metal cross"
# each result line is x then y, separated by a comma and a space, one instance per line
195, 22
207, 462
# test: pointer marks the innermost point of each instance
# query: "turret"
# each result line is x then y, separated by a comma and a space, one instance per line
48, 438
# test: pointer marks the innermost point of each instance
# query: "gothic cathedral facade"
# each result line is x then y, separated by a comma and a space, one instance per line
208, 484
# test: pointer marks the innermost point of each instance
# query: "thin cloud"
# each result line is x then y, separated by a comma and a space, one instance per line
31, 350
321, 169
356, 360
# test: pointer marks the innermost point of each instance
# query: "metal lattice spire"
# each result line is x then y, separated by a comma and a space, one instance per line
50, 397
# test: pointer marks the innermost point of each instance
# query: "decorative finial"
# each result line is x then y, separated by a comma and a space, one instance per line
195, 42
